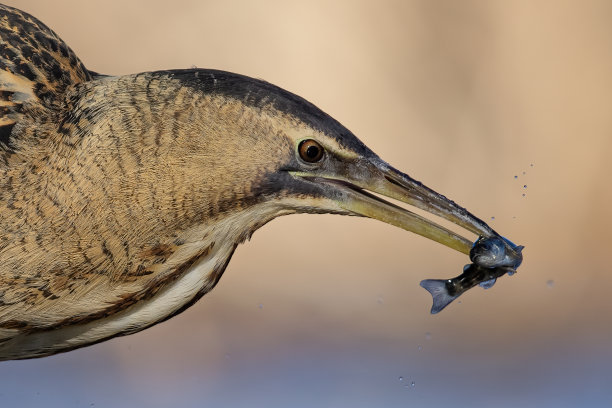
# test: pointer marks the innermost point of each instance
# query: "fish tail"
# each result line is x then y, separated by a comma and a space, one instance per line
439, 293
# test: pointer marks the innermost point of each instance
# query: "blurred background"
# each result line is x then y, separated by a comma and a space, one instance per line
505, 107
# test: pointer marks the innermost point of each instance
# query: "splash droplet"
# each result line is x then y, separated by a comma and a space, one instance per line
260, 305
550, 283
401, 378
428, 336
412, 384
420, 347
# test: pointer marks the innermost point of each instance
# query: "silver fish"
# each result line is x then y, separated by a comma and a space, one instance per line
491, 258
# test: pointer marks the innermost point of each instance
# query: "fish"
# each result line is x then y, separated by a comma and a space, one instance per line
492, 257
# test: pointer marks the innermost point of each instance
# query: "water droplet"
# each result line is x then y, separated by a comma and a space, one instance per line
523, 194
420, 347
379, 300
260, 305
515, 177
412, 384
524, 173
428, 336
459, 302
514, 217
531, 165
401, 378
194, 67
550, 283
493, 217
525, 186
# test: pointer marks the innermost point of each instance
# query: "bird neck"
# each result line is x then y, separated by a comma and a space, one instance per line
138, 165
125, 198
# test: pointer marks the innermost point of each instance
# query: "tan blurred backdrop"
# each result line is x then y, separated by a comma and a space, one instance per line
327, 310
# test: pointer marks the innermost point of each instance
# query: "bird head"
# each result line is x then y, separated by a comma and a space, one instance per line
223, 143
271, 146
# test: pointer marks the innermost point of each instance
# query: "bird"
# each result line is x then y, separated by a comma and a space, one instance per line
123, 198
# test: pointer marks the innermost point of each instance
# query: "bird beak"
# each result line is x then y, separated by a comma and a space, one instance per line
353, 193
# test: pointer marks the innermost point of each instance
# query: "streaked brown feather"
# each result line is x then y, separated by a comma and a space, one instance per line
112, 189
36, 67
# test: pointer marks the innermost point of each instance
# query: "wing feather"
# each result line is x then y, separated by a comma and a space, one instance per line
36, 67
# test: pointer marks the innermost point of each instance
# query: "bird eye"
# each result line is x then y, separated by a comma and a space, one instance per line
310, 151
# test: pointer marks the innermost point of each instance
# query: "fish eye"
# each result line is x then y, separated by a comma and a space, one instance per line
310, 151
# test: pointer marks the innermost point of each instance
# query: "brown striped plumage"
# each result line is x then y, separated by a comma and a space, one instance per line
102, 197
122, 199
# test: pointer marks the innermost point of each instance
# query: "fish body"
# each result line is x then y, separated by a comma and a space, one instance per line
491, 258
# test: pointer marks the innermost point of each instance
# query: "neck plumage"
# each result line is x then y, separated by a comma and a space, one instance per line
113, 228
